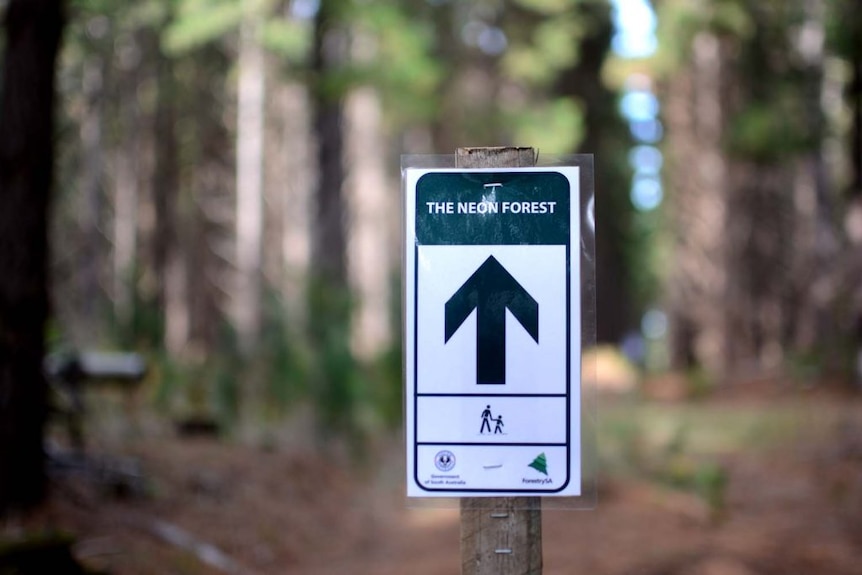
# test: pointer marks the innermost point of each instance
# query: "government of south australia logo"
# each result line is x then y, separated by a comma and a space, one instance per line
444, 460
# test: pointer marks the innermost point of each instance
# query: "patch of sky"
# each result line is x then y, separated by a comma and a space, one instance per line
489, 39
646, 131
635, 23
654, 324
639, 105
646, 192
646, 160
304, 9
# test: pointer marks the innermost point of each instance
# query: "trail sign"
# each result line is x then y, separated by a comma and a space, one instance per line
492, 332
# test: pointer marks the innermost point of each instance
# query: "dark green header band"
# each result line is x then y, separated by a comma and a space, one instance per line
493, 208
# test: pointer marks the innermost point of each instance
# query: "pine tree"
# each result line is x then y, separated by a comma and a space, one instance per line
32, 35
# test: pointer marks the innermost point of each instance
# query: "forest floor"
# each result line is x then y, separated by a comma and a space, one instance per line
758, 479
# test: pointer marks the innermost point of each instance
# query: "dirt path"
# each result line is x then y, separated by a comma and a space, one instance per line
216, 507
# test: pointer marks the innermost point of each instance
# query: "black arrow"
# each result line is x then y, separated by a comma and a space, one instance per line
490, 290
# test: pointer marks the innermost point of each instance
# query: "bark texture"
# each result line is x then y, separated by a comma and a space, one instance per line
32, 30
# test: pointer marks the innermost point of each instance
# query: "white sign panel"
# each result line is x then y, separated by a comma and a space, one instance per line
492, 324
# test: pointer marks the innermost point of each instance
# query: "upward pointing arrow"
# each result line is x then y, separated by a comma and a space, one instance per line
490, 291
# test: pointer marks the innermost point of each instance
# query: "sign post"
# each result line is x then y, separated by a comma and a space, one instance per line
500, 535
493, 347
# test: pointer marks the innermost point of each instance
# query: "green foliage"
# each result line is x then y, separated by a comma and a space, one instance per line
170, 379
387, 372
700, 383
396, 58
289, 39
685, 471
679, 22
388, 385
199, 22
731, 18
546, 7
224, 385
284, 360
771, 122
768, 132
552, 47
227, 393
556, 125
624, 450
707, 479
337, 387
844, 34
194, 389
411, 53
711, 482
683, 446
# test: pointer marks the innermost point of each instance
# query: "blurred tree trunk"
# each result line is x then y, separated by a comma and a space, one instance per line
815, 241
448, 49
754, 219
329, 244
292, 152
373, 240
469, 110
91, 190
606, 136
695, 115
165, 190
32, 36
126, 192
249, 184
211, 238
329, 295
854, 96
781, 233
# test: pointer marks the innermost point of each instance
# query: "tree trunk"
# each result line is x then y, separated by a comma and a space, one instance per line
854, 100
750, 206
294, 154
608, 138
211, 235
249, 185
695, 115
329, 245
32, 37
372, 211
91, 196
856, 129
126, 191
328, 294
165, 188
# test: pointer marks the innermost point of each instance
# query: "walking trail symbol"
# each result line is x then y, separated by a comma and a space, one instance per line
490, 291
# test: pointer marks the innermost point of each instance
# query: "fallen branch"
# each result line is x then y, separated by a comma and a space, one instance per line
205, 552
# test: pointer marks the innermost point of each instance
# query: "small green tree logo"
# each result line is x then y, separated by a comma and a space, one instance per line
540, 464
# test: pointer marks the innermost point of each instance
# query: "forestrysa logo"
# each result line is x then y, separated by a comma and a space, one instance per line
540, 464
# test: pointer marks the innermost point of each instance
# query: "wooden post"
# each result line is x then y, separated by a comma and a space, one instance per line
500, 535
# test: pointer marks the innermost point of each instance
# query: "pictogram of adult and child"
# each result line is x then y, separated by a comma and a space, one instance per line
487, 418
